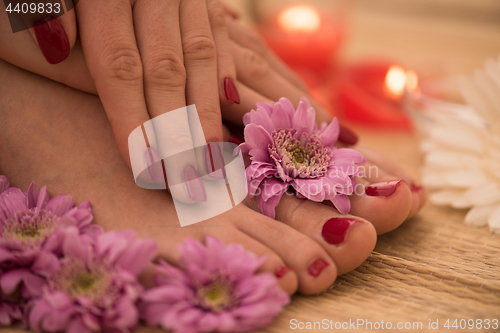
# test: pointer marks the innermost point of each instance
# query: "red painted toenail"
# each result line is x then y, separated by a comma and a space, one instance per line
384, 189
334, 230
317, 267
281, 271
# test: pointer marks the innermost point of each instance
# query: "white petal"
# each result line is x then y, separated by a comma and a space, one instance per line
494, 220
428, 146
445, 197
458, 139
433, 179
484, 195
461, 202
478, 216
465, 178
447, 159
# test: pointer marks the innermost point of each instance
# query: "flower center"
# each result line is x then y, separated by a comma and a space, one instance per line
93, 281
31, 227
216, 296
304, 157
299, 156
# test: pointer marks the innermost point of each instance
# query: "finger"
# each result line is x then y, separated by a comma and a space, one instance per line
228, 93
231, 11
55, 34
255, 72
251, 40
200, 59
24, 53
160, 46
114, 63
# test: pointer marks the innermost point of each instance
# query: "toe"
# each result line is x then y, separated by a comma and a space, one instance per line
315, 269
348, 240
385, 204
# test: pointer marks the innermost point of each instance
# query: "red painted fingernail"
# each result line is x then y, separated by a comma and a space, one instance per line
214, 161
414, 187
234, 139
384, 189
231, 91
347, 136
281, 271
52, 39
317, 267
335, 229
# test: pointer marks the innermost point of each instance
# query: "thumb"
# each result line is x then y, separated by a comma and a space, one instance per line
54, 30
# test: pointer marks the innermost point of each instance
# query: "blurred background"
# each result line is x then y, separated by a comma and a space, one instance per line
345, 49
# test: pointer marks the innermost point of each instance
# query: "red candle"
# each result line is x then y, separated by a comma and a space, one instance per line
303, 38
370, 93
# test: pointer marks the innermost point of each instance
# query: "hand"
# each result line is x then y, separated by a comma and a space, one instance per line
144, 58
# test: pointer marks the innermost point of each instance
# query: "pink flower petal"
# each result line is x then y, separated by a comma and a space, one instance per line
342, 203
349, 155
303, 120
73, 246
34, 284
256, 137
330, 135
60, 204
12, 200
287, 107
46, 264
138, 255
9, 281
32, 195
280, 117
271, 187
43, 198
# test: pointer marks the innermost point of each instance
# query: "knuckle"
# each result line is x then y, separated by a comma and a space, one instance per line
124, 64
165, 69
199, 48
257, 66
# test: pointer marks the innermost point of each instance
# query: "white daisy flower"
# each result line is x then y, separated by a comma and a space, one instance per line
461, 145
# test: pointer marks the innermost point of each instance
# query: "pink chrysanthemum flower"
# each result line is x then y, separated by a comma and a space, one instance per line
285, 147
219, 291
30, 235
95, 288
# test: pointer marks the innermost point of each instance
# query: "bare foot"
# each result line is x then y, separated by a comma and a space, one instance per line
61, 138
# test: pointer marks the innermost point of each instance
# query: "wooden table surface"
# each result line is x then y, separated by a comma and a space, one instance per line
433, 267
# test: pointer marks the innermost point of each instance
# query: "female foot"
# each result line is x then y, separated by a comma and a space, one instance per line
61, 138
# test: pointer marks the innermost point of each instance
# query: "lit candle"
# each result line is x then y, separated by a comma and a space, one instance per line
303, 38
371, 93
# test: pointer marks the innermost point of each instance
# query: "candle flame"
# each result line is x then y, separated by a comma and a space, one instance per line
299, 18
395, 80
